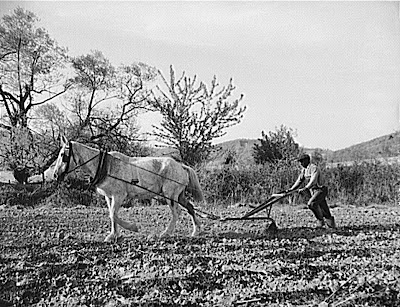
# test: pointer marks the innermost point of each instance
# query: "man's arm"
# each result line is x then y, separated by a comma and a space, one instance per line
298, 182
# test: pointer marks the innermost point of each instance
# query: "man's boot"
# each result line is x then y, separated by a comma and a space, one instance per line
331, 222
318, 214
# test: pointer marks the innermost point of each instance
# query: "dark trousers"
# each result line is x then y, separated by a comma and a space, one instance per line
318, 205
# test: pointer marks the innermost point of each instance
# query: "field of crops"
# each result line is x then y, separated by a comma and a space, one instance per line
55, 256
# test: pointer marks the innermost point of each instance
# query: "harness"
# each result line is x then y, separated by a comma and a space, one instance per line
101, 171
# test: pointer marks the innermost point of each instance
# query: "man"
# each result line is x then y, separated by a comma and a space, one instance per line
317, 202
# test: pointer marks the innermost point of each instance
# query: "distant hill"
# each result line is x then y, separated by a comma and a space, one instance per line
382, 147
243, 149
385, 146
379, 148
240, 148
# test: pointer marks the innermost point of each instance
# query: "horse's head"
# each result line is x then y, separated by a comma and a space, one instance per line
63, 160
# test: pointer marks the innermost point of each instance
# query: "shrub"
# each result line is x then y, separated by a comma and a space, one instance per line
364, 183
358, 184
73, 192
248, 184
25, 195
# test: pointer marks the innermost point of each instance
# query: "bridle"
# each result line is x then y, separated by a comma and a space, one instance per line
66, 158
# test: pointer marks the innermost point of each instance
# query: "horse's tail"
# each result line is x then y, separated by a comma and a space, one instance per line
194, 187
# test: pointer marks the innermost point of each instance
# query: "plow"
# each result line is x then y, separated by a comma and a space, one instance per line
252, 214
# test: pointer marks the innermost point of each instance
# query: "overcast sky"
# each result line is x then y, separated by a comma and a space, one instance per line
330, 70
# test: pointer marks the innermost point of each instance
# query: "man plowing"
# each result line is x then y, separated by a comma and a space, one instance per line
317, 203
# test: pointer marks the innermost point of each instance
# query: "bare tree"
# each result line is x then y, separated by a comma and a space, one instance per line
194, 115
30, 63
31, 75
106, 99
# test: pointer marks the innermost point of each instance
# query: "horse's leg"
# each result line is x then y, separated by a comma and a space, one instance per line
175, 214
114, 205
113, 235
185, 203
128, 226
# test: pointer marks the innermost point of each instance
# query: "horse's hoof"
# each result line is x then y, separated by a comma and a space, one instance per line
196, 233
164, 235
134, 228
112, 238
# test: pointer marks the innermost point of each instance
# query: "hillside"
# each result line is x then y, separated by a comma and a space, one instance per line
381, 147
243, 149
378, 148
240, 148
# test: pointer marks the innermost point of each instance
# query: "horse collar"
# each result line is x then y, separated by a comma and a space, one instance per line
101, 172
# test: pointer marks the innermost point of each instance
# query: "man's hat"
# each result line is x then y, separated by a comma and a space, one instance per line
303, 157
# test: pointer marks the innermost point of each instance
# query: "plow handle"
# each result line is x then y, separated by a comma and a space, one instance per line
269, 202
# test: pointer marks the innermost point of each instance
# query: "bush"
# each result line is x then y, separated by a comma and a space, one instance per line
364, 183
26, 195
250, 184
73, 192
358, 184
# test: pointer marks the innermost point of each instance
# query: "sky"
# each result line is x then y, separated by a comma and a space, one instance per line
328, 70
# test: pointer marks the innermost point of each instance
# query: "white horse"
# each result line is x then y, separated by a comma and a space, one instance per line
117, 176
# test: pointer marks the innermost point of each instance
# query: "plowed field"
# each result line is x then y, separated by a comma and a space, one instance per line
56, 257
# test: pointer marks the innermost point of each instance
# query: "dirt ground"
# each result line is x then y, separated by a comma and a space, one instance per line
53, 256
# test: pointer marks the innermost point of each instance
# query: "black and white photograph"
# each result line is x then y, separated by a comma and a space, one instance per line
200, 153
